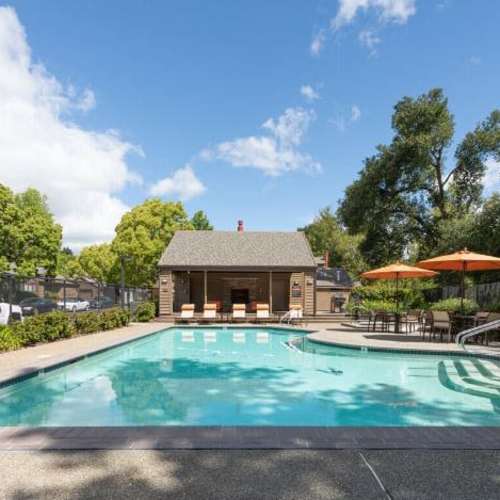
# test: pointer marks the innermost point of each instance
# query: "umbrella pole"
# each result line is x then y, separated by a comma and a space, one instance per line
463, 287
396, 324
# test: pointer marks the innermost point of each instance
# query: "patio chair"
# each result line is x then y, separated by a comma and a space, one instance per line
412, 320
239, 312
187, 312
441, 322
426, 326
492, 316
262, 312
377, 317
209, 312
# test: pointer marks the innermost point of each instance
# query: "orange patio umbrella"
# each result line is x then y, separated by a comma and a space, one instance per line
395, 272
463, 261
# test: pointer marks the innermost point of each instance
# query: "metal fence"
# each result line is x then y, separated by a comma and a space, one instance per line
27, 297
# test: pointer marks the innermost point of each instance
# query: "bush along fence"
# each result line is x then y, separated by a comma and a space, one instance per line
58, 325
22, 298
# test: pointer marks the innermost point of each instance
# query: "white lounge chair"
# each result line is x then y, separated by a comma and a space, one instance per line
239, 311
210, 312
262, 312
187, 312
295, 312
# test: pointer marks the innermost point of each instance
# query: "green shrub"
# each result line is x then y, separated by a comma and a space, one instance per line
8, 341
453, 305
145, 312
58, 325
492, 306
44, 328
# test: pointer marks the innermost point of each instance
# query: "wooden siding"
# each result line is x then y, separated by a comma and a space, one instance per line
166, 293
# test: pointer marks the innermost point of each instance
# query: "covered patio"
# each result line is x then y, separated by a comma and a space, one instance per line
226, 268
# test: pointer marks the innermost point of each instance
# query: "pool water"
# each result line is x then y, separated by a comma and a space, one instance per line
265, 376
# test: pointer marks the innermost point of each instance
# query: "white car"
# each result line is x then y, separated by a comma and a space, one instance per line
74, 305
5, 313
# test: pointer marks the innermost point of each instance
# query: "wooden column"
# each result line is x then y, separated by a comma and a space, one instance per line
270, 291
205, 293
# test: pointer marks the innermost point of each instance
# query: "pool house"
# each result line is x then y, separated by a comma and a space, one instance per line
237, 267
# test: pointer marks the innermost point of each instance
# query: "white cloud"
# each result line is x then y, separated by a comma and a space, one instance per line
309, 93
370, 40
355, 113
342, 121
317, 42
275, 153
183, 184
80, 171
396, 11
491, 179
387, 11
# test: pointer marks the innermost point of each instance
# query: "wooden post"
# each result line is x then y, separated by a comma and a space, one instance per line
205, 286
270, 291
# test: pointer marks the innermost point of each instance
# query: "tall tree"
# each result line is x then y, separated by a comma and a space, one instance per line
30, 237
142, 235
200, 221
100, 263
325, 234
406, 189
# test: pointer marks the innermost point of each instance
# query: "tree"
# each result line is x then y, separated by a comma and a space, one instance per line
100, 263
405, 190
200, 221
30, 238
143, 234
68, 265
325, 234
487, 231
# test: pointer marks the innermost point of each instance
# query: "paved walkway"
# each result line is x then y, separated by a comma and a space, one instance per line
348, 337
31, 359
249, 474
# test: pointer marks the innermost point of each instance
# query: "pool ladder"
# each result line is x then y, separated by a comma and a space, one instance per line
477, 330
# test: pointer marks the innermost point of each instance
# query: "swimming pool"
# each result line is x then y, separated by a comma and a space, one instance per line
257, 376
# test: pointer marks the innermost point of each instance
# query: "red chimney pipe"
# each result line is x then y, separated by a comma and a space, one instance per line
240, 226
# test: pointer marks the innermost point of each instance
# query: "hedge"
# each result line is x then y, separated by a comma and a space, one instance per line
453, 305
145, 312
59, 325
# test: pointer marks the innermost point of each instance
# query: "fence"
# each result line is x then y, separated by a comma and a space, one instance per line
484, 293
42, 294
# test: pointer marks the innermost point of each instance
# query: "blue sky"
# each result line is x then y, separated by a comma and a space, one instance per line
262, 111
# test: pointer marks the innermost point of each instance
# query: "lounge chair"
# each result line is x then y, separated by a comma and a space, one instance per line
295, 312
239, 312
187, 312
262, 312
209, 312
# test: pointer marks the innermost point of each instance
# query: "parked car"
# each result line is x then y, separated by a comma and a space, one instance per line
37, 305
74, 305
102, 303
5, 313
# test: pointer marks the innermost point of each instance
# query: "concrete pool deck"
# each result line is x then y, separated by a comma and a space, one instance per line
250, 474
353, 338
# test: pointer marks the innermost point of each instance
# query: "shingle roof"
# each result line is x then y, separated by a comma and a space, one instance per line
249, 249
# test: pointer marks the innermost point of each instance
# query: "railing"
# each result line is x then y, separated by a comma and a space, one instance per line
477, 330
287, 317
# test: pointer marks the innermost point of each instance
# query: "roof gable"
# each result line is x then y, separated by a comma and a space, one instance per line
246, 249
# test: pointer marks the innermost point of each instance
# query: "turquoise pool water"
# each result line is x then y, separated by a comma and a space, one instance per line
255, 377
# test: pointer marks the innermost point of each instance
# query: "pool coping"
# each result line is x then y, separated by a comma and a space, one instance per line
403, 350
259, 438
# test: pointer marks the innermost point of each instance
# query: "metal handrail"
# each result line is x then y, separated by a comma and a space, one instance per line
476, 330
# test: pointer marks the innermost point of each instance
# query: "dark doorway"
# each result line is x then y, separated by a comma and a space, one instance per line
240, 296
